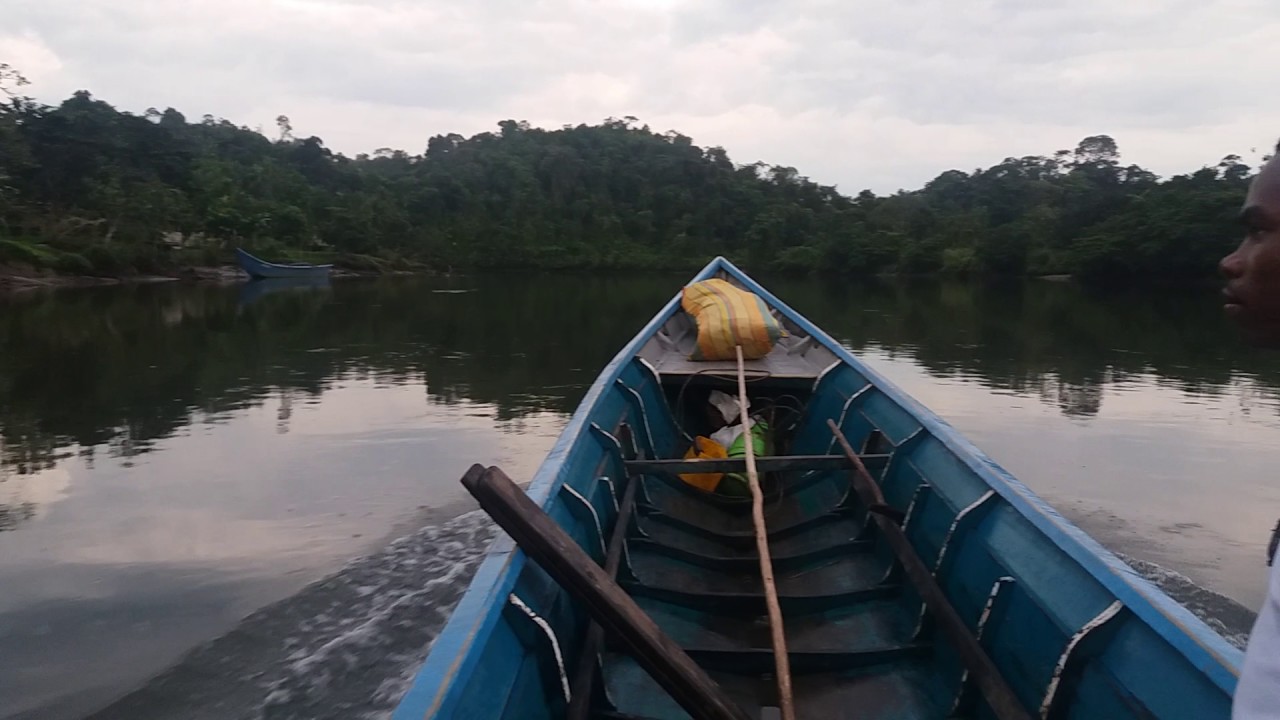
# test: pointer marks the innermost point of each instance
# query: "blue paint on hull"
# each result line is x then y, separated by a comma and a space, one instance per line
260, 269
1075, 632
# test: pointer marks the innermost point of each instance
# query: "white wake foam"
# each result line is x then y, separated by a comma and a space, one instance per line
358, 658
345, 647
1227, 617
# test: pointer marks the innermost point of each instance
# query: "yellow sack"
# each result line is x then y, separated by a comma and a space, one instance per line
728, 316
704, 448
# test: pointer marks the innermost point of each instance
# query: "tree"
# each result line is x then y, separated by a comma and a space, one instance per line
11, 80
94, 182
1233, 170
284, 127
1097, 149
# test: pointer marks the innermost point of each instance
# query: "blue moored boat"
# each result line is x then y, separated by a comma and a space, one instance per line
1067, 627
261, 269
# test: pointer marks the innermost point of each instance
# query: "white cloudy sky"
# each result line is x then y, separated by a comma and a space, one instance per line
881, 94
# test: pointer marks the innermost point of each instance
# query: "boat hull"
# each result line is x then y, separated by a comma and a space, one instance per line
1072, 630
260, 269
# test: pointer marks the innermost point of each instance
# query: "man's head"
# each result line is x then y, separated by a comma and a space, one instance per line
1253, 270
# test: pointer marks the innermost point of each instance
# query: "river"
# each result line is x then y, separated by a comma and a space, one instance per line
180, 463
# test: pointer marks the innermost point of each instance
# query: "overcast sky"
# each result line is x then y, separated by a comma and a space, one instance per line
877, 95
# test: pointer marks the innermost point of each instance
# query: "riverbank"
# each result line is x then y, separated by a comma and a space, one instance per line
19, 278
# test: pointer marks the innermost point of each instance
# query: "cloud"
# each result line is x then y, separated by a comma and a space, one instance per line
32, 57
854, 93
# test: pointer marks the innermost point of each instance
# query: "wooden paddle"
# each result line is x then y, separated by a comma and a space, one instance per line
781, 661
608, 604
999, 696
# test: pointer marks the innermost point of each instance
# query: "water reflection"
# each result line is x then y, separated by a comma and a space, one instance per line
172, 457
118, 368
1054, 341
11, 514
130, 562
254, 291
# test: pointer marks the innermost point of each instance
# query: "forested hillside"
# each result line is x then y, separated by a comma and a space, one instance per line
87, 188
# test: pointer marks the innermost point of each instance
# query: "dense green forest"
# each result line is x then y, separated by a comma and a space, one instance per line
86, 188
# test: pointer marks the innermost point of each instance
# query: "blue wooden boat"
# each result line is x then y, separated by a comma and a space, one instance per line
261, 269
1071, 630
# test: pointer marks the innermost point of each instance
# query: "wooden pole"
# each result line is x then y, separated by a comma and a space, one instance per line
584, 674
608, 604
781, 661
1004, 703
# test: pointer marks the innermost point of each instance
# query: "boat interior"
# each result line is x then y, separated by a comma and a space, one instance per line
861, 641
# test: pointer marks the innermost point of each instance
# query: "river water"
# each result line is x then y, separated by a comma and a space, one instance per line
181, 463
